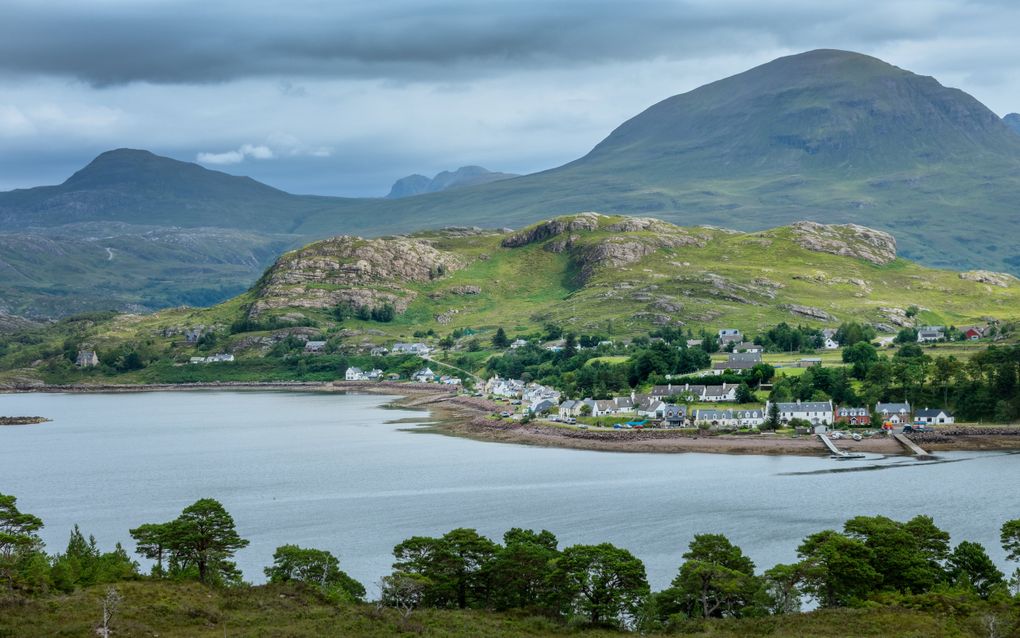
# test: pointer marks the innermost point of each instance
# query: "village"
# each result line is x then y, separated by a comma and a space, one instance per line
722, 407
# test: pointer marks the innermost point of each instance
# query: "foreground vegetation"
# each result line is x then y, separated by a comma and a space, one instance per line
876, 576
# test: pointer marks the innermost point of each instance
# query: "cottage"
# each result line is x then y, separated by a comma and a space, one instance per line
829, 339
809, 362
355, 374
729, 419
973, 333
195, 360
930, 334
219, 358
695, 343
315, 346
931, 416
747, 346
379, 351
895, 413
419, 349
425, 375
730, 335
718, 393
541, 406
87, 359
375, 374
447, 380
649, 406
674, 416
815, 412
737, 362
518, 343
853, 416
570, 408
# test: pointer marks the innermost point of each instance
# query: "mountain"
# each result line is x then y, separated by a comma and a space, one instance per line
463, 176
1013, 121
617, 276
826, 136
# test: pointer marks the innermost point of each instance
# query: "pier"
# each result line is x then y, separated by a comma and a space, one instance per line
836, 452
916, 449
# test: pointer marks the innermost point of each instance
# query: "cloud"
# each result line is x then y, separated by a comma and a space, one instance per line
114, 42
260, 152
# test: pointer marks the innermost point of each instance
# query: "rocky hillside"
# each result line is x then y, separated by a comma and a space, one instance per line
1013, 121
588, 269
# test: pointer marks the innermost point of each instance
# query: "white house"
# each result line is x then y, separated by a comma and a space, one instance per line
931, 416
425, 375
419, 349
509, 388
518, 343
87, 359
445, 380
929, 334
219, 358
355, 374
815, 412
374, 374
729, 419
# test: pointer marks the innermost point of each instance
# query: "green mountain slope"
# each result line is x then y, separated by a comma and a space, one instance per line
588, 273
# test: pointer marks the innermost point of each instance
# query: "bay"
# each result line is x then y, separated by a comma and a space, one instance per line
335, 472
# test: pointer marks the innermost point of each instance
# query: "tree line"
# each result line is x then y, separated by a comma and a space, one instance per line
872, 560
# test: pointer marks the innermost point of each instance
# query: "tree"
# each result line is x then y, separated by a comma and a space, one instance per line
404, 591
861, 355
201, 538
18, 538
500, 340
744, 394
969, 565
151, 542
716, 579
908, 556
455, 565
837, 569
111, 604
1010, 537
316, 567
602, 583
521, 570
772, 421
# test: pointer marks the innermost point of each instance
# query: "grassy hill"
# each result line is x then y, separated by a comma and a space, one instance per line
587, 273
828, 136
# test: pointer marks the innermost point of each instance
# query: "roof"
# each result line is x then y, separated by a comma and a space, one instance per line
735, 365
805, 406
932, 412
892, 407
719, 390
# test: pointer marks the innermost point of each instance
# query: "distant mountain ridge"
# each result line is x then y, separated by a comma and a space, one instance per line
446, 180
1013, 121
827, 136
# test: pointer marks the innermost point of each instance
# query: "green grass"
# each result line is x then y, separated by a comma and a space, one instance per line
189, 610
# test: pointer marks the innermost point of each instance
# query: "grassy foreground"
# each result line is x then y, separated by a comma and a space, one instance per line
170, 610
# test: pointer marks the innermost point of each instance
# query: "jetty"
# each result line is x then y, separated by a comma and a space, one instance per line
914, 448
836, 452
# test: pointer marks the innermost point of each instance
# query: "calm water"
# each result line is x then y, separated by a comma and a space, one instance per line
332, 471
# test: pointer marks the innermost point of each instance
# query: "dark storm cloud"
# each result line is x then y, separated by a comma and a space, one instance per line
110, 43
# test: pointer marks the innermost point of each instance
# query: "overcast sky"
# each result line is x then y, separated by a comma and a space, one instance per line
343, 98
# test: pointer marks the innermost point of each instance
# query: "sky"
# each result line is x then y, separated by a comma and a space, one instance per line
343, 98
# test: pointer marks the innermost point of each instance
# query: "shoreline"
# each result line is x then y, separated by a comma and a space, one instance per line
469, 417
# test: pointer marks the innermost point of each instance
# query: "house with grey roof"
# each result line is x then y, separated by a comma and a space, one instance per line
895, 413
730, 335
729, 419
932, 416
674, 416
931, 334
737, 362
815, 412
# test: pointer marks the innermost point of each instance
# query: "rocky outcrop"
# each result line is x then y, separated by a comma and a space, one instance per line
809, 312
352, 271
999, 279
846, 240
552, 228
